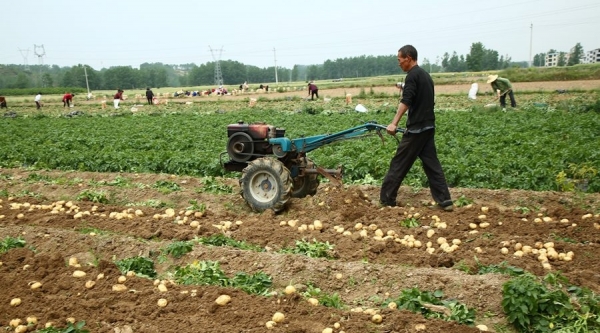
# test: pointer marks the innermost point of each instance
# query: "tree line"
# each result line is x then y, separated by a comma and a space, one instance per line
234, 73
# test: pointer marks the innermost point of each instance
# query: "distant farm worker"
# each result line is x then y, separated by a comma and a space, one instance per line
418, 141
118, 98
313, 90
67, 99
38, 100
149, 95
502, 87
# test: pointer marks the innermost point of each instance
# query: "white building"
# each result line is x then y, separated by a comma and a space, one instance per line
551, 59
592, 57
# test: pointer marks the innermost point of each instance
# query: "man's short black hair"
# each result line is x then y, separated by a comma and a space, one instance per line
409, 50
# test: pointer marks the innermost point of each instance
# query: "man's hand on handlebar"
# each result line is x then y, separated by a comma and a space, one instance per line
391, 129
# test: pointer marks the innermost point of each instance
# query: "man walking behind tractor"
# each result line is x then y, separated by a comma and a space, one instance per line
502, 87
418, 141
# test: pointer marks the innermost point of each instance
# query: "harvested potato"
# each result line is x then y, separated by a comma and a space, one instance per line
119, 287
78, 274
223, 300
290, 290
278, 317
15, 322
377, 319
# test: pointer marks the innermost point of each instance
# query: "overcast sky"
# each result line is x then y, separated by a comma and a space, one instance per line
105, 33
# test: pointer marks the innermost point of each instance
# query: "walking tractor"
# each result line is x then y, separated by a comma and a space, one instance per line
275, 168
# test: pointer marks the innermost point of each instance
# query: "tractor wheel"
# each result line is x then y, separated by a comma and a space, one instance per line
266, 184
306, 185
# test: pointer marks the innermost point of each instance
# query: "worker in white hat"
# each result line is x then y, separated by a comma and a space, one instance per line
502, 87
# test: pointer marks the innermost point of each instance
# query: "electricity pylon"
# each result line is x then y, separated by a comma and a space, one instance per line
218, 75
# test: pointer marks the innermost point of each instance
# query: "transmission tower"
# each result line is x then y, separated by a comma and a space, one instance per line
218, 75
25, 54
40, 55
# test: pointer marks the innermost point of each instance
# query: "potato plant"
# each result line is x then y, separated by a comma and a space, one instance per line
10, 243
517, 150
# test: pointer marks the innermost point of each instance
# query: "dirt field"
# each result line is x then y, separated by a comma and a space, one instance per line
546, 86
439, 89
364, 273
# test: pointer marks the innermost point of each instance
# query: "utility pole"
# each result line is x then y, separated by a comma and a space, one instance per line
218, 74
86, 80
275, 58
531, 45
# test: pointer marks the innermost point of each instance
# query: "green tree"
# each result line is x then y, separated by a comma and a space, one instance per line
504, 62
296, 73
539, 60
445, 61
47, 80
123, 77
476, 57
561, 59
456, 63
490, 60
576, 55
76, 76
154, 75
313, 72
22, 81
201, 75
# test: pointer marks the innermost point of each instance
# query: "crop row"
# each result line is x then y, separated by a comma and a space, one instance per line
517, 150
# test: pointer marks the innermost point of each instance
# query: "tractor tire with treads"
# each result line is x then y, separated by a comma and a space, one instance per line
266, 184
306, 185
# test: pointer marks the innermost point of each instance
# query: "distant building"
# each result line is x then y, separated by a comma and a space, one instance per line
551, 59
592, 57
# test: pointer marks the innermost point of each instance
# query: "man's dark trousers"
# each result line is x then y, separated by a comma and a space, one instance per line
413, 146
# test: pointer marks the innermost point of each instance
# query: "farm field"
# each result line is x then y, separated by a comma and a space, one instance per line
107, 192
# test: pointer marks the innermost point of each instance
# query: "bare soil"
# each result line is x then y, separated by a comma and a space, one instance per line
542, 86
364, 273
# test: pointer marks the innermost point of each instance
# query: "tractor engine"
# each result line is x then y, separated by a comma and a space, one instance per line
249, 141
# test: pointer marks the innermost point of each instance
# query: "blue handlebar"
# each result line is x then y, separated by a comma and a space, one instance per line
313, 142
